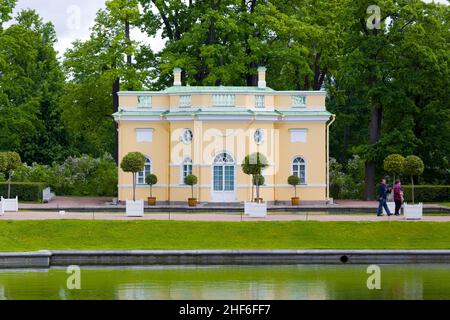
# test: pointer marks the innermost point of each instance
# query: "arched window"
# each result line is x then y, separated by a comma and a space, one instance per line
223, 172
147, 170
299, 169
186, 169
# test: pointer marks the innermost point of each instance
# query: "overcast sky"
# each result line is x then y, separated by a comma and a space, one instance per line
73, 18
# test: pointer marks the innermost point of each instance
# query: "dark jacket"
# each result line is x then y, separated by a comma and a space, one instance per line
383, 191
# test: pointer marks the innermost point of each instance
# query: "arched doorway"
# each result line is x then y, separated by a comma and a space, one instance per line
224, 178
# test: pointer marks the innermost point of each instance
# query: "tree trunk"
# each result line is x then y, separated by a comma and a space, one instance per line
115, 90
375, 131
151, 191
127, 36
253, 192
295, 191
134, 187
9, 185
412, 189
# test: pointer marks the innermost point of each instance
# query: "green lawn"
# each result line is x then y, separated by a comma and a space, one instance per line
70, 234
447, 204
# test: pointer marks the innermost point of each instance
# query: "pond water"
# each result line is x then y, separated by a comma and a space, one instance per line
230, 283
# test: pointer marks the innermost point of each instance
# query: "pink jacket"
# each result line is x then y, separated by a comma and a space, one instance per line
398, 192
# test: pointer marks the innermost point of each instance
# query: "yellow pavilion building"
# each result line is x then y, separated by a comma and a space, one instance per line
208, 131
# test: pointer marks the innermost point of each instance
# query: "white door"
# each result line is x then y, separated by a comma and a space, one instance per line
224, 173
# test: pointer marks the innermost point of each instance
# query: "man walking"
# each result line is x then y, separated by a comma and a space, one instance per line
382, 196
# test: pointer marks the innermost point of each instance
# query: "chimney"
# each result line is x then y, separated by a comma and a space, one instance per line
177, 77
262, 77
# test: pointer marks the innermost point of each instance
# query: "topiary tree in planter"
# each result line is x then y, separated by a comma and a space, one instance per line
133, 162
253, 165
9, 161
413, 166
191, 180
393, 164
294, 181
258, 180
151, 180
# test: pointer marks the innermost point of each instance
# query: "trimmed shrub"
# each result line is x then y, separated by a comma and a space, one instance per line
426, 193
26, 191
191, 180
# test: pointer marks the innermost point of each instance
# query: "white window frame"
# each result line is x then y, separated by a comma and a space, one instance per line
185, 101
224, 159
140, 176
184, 169
299, 104
300, 130
260, 101
224, 100
299, 164
145, 102
144, 130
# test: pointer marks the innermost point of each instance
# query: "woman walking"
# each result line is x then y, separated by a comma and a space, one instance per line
398, 197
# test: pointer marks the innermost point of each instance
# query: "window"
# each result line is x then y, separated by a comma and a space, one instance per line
187, 136
259, 136
260, 101
185, 101
144, 101
223, 173
144, 135
299, 135
298, 101
140, 178
186, 169
299, 169
223, 100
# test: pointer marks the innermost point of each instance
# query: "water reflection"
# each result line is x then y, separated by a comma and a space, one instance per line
303, 282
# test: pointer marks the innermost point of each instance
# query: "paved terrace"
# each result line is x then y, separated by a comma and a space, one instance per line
225, 216
105, 205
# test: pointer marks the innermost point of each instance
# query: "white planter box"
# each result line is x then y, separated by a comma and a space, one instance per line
391, 206
135, 208
413, 211
10, 205
256, 210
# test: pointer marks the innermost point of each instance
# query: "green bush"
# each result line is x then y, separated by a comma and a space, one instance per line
82, 176
427, 193
26, 191
347, 181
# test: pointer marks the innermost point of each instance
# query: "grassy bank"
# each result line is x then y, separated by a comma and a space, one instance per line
68, 234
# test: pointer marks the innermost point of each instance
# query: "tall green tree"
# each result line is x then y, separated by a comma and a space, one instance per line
380, 70
96, 70
6, 9
31, 83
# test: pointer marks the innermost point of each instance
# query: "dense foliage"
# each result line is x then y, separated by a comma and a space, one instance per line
425, 193
25, 191
81, 176
388, 86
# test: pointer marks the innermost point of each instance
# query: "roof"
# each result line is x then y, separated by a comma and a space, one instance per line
206, 89
235, 112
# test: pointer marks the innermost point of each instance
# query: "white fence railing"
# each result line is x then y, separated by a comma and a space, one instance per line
10, 204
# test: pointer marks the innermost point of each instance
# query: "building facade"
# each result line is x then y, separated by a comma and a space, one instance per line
207, 131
